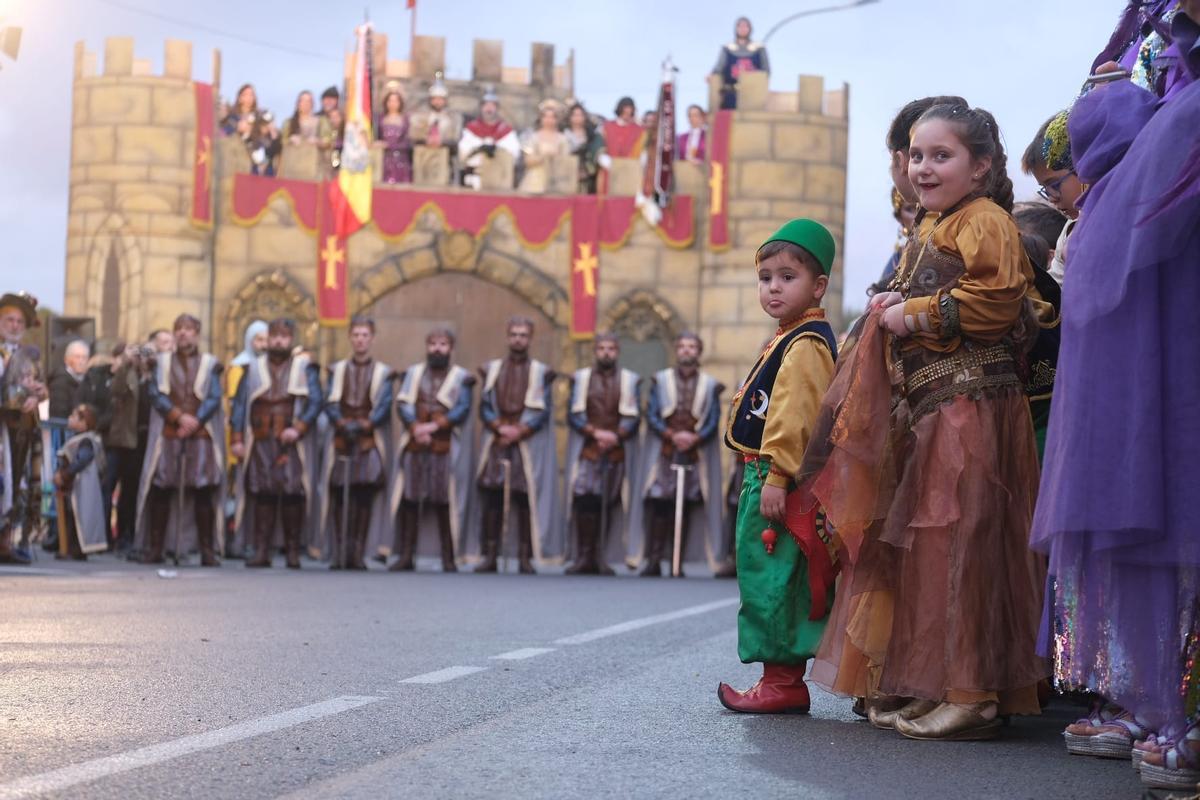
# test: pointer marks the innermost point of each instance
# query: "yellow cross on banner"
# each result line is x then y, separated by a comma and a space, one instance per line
587, 264
715, 185
331, 256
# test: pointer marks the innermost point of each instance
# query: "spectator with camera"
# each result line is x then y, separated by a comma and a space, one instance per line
257, 130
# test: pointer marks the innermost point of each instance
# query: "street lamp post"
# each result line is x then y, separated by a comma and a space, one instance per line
814, 11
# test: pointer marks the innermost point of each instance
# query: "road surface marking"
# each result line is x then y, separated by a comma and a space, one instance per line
443, 675
635, 624
66, 777
20, 570
523, 653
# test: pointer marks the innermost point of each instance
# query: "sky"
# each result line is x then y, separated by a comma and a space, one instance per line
1023, 60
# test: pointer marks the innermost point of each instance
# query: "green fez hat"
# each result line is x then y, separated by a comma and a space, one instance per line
812, 236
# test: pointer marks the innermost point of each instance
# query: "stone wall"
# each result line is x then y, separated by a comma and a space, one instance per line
133, 137
787, 159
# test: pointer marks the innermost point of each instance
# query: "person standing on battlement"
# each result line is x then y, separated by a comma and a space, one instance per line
483, 137
435, 125
737, 58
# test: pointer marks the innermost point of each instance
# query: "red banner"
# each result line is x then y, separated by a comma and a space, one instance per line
718, 182
333, 295
595, 225
585, 266
202, 158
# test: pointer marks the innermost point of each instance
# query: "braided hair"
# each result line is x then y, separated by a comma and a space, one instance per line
979, 133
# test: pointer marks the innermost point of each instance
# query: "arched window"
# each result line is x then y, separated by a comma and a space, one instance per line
110, 299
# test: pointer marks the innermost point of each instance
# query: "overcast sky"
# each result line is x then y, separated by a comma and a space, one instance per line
1021, 59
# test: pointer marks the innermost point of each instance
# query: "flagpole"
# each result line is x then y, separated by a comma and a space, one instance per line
412, 34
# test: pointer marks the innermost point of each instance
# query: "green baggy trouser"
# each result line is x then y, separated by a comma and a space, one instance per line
773, 623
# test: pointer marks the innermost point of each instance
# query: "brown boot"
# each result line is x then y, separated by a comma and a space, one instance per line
656, 538
202, 506
293, 525
260, 533
489, 534
446, 534
360, 525
599, 556
410, 521
524, 538
159, 516
587, 526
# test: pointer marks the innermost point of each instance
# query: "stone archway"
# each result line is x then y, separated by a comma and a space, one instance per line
266, 296
646, 325
472, 290
112, 292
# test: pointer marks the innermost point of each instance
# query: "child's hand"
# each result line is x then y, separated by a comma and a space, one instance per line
772, 503
893, 321
884, 300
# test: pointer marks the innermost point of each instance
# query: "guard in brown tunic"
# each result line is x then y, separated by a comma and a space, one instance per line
517, 451
434, 470
185, 455
683, 414
272, 418
358, 405
604, 418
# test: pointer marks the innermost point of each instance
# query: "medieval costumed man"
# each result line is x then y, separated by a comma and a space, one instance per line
185, 452
604, 418
683, 473
273, 422
623, 138
517, 469
435, 125
21, 389
434, 451
357, 452
77, 479
736, 58
483, 136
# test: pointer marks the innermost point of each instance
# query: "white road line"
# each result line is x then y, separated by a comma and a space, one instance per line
523, 653
59, 779
443, 675
634, 624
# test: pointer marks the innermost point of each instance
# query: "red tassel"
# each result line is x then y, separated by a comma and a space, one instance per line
768, 537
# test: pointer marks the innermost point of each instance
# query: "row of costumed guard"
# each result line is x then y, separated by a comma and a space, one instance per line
409, 442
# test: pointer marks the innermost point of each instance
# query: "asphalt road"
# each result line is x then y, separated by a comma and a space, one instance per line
118, 683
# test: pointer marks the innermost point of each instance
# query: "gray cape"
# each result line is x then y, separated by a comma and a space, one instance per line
259, 382
704, 522
617, 544
380, 534
87, 498
540, 457
216, 432
460, 460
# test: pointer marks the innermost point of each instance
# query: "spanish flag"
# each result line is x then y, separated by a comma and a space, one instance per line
350, 195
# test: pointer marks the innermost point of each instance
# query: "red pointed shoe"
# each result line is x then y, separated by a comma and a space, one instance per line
781, 690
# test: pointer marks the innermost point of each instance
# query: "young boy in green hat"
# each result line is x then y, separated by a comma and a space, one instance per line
785, 569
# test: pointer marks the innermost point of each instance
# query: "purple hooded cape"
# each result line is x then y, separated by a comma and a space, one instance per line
1119, 505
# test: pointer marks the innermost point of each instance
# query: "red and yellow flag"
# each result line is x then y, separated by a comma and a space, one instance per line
350, 194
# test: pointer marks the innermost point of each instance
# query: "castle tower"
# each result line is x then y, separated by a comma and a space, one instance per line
787, 159
134, 259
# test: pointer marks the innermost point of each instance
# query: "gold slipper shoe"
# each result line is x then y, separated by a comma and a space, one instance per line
950, 722
886, 720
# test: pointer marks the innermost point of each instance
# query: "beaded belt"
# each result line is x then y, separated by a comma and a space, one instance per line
943, 368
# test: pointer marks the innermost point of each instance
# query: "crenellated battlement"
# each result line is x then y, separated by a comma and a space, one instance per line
136, 256
121, 62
